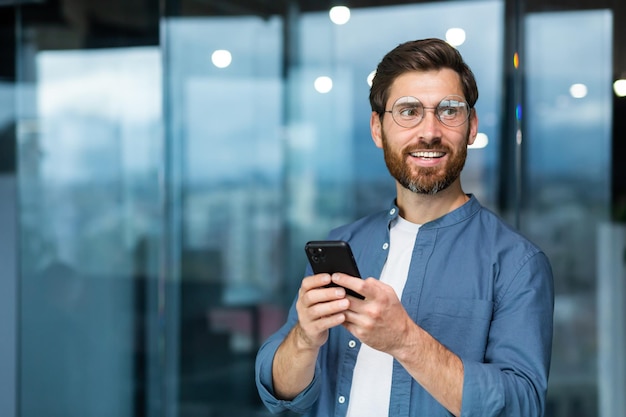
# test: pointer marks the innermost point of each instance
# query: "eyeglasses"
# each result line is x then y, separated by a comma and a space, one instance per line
408, 111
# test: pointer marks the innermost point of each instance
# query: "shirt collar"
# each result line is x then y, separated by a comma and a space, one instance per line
468, 209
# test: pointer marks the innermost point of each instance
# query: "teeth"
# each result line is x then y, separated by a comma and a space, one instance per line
428, 154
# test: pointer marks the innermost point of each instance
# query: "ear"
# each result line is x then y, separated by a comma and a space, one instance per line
473, 127
376, 129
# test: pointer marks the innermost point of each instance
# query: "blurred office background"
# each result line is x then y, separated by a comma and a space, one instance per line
162, 164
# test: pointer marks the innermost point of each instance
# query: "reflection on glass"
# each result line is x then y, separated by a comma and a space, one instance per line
89, 160
228, 122
570, 185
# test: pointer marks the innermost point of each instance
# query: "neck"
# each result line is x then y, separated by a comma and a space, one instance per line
423, 208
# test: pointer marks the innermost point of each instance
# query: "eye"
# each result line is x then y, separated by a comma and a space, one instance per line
448, 111
409, 112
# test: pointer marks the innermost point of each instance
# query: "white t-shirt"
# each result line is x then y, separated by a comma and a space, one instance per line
371, 382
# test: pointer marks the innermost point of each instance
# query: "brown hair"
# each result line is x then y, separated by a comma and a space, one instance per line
419, 55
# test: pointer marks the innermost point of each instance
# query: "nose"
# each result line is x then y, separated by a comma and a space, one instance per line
429, 126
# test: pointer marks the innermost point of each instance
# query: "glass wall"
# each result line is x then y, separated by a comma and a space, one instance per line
567, 186
8, 220
89, 162
171, 163
226, 125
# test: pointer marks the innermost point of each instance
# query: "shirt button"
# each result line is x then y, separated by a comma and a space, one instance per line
352, 343
392, 211
341, 399
385, 246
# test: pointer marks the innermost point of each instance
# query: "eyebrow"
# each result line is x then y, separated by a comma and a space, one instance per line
459, 101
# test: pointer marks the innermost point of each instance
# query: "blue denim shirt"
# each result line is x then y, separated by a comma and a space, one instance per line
477, 286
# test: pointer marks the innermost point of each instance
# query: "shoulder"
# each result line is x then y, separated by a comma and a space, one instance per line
362, 228
512, 253
499, 232
485, 234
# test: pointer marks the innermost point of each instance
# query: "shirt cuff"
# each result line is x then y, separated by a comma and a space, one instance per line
300, 404
483, 390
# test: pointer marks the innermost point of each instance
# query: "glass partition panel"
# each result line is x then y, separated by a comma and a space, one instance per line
223, 77
89, 126
8, 249
567, 184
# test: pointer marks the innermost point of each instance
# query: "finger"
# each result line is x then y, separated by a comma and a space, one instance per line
356, 318
315, 281
321, 310
322, 317
321, 295
353, 283
328, 322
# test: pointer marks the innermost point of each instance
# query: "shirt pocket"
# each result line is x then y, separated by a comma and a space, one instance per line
461, 324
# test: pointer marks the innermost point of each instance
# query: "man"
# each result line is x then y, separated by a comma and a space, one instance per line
460, 320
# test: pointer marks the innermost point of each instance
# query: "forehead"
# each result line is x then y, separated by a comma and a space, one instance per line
428, 86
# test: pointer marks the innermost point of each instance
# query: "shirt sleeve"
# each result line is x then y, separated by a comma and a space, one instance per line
263, 374
513, 379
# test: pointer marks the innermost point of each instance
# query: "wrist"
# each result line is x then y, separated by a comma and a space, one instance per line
302, 341
408, 349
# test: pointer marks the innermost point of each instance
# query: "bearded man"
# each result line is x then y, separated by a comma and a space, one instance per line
457, 311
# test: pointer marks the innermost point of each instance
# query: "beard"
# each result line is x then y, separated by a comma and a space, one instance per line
423, 180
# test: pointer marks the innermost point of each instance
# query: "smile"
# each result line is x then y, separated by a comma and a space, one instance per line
427, 154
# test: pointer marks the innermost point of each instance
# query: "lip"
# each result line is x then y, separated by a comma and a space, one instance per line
428, 158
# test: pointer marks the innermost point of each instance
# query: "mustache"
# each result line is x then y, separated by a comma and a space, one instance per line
427, 147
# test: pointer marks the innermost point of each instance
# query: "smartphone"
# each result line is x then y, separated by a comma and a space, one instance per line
330, 256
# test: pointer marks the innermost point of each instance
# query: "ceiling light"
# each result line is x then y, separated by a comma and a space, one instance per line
339, 15
221, 58
370, 77
481, 141
323, 84
619, 87
578, 90
455, 36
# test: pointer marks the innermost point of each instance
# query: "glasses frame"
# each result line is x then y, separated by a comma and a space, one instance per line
434, 109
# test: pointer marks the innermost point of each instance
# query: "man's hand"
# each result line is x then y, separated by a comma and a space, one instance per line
319, 308
381, 322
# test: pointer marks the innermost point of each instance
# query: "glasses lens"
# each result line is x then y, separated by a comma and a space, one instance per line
407, 111
453, 111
